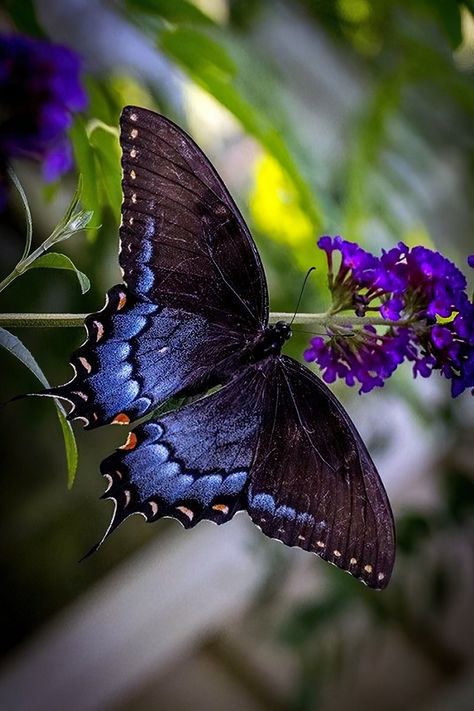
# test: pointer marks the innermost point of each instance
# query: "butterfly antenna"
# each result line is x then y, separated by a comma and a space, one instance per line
311, 269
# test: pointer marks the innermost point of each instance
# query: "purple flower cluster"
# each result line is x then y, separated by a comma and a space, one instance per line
420, 299
39, 89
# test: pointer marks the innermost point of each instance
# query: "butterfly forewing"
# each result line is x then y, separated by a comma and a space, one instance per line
195, 290
183, 240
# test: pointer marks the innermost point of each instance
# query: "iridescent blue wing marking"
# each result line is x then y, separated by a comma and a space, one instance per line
139, 354
195, 292
313, 483
193, 463
184, 242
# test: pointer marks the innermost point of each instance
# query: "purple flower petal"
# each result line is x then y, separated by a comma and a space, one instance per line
58, 161
39, 88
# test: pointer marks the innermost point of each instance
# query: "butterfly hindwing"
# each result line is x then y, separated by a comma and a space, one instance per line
183, 240
313, 483
273, 441
192, 463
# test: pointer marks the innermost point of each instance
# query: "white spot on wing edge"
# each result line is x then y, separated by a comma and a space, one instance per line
85, 363
187, 512
153, 508
100, 330
74, 376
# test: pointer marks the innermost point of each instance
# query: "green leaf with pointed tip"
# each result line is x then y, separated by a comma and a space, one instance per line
54, 260
14, 346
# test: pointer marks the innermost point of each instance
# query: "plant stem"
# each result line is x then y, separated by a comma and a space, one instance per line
14, 320
41, 320
327, 319
23, 264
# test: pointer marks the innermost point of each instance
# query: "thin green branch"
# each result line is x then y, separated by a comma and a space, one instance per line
71, 223
41, 320
13, 320
327, 319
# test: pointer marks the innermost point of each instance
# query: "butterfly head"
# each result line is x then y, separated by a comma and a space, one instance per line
282, 331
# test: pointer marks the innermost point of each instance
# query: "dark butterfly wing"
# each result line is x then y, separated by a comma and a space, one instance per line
192, 463
273, 441
196, 291
313, 483
139, 354
184, 243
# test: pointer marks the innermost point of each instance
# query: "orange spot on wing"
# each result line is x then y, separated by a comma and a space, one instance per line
121, 419
122, 301
222, 508
131, 442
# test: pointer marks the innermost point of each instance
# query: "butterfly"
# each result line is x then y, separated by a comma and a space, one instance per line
192, 316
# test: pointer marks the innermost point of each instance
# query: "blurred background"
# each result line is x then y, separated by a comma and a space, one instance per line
323, 116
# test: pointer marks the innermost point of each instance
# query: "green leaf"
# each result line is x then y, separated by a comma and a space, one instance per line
104, 141
14, 346
73, 220
23, 15
174, 11
448, 16
85, 162
29, 224
54, 260
197, 52
70, 446
213, 70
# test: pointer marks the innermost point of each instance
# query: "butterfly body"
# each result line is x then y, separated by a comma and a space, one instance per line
192, 315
